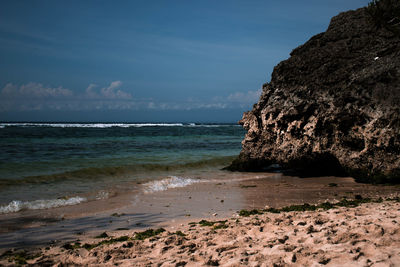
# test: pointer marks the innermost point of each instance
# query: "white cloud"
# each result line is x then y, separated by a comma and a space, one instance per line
36, 90
238, 99
89, 91
36, 96
112, 91
245, 98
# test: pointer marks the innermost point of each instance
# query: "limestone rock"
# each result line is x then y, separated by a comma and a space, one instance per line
333, 107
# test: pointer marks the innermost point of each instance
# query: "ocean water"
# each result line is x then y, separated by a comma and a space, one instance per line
48, 165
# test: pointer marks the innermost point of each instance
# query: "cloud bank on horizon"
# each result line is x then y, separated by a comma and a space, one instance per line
35, 96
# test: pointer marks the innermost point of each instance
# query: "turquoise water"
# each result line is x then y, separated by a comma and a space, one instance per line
73, 162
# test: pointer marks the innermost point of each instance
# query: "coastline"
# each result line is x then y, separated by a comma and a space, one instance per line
173, 209
120, 144
364, 235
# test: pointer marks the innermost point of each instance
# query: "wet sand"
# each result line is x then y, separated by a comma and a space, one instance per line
213, 199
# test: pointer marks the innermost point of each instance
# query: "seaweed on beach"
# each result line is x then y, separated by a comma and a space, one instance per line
395, 199
102, 235
206, 223
148, 233
220, 225
20, 257
247, 213
180, 233
70, 246
358, 200
76, 245
216, 224
106, 242
120, 239
247, 186
326, 205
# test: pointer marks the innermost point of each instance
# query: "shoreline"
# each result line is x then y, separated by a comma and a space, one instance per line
172, 209
366, 234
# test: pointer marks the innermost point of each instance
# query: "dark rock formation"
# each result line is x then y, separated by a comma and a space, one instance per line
333, 107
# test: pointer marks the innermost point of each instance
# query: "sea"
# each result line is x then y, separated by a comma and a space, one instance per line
50, 165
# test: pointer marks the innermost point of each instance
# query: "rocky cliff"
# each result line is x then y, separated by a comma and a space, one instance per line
333, 107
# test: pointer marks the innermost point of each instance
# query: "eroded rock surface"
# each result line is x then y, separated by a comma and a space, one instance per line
333, 107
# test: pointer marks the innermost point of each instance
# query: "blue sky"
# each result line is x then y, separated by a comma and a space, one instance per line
147, 60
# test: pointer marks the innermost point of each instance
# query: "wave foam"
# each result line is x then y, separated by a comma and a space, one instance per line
102, 195
89, 125
17, 205
170, 182
109, 125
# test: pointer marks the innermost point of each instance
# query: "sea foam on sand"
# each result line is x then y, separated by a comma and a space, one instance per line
170, 182
17, 205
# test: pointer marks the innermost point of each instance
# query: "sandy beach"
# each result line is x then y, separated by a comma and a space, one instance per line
367, 235
203, 227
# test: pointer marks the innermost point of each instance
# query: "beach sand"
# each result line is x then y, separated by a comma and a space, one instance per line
364, 235
367, 235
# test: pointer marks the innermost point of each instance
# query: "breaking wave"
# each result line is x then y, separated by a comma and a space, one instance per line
89, 125
170, 182
109, 125
17, 205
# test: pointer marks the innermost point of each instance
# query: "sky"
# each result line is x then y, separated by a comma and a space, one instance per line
147, 61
